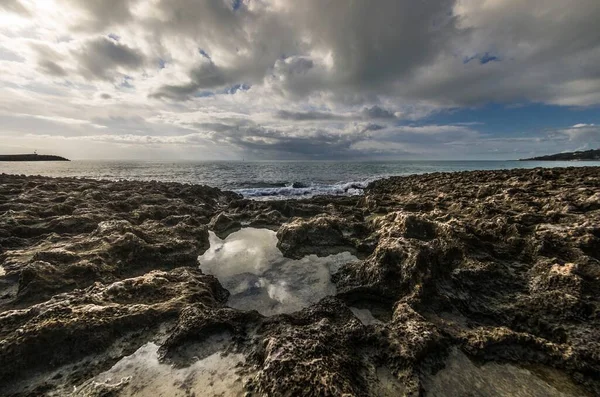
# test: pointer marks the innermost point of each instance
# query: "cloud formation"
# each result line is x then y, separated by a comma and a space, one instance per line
281, 79
101, 57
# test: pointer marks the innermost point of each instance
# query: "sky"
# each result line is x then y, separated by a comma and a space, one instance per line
295, 80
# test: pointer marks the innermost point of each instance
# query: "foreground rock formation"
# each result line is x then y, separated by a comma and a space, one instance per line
483, 282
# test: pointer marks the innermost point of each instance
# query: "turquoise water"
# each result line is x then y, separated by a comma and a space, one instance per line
267, 179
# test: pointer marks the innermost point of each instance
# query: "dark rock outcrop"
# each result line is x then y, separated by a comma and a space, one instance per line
322, 235
223, 225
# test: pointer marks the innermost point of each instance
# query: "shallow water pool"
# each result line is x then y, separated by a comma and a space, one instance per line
462, 377
258, 276
142, 374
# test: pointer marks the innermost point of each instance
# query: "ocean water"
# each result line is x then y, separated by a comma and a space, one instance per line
267, 179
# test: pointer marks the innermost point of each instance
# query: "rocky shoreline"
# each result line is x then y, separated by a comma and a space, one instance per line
470, 279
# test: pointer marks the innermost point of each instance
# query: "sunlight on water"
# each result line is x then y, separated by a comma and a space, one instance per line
461, 377
249, 265
365, 316
141, 374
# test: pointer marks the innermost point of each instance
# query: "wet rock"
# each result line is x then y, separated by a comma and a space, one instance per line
114, 249
488, 277
412, 226
462, 377
73, 325
223, 225
268, 220
312, 354
321, 235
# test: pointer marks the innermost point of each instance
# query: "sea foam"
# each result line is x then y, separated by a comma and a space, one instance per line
301, 190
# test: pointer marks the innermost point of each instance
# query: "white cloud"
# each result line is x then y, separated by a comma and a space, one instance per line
279, 78
61, 120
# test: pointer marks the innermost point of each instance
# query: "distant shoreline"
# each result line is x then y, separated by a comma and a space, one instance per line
31, 157
588, 155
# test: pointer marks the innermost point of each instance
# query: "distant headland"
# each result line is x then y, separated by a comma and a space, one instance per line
31, 157
569, 156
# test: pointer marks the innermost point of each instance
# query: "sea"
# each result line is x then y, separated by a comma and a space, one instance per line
264, 180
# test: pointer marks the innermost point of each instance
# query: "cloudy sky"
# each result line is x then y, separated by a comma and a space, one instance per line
310, 79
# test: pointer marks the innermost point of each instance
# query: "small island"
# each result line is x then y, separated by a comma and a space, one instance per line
31, 157
587, 155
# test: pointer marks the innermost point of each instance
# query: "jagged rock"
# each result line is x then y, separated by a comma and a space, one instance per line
321, 235
502, 267
223, 225
73, 325
114, 249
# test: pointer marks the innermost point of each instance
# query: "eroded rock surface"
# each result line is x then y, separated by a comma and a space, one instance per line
91, 266
488, 277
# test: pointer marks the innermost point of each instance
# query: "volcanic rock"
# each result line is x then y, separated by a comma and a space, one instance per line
488, 277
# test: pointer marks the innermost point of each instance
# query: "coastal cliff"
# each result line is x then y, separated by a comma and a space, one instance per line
480, 283
31, 157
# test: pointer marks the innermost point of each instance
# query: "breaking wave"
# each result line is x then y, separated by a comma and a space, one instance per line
303, 190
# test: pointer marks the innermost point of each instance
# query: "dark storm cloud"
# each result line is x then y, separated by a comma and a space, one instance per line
374, 127
362, 140
100, 57
51, 68
205, 76
48, 60
376, 112
412, 50
226, 126
274, 143
370, 47
104, 13
372, 113
184, 91
306, 116
374, 45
